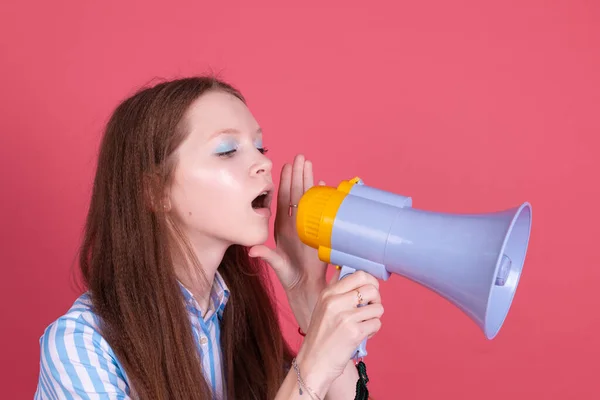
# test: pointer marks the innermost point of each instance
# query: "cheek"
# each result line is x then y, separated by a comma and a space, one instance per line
209, 191
222, 180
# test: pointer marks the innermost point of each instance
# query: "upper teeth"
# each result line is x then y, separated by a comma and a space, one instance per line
264, 193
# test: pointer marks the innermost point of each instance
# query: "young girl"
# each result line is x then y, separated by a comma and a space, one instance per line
178, 303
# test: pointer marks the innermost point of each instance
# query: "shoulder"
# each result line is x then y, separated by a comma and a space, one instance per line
75, 360
78, 324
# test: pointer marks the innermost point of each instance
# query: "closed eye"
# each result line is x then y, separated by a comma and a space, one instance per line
226, 153
229, 153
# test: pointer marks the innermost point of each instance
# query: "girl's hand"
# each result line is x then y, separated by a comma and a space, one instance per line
297, 266
337, 327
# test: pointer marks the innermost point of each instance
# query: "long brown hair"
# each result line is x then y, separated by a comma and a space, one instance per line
126, 261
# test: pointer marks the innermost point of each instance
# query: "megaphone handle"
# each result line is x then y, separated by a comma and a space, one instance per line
361, 350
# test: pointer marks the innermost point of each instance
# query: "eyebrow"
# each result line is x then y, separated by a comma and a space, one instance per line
231, 131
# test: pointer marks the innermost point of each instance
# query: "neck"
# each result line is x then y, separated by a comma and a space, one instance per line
198, 277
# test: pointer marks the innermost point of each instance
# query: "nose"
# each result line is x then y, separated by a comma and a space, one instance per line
263, 165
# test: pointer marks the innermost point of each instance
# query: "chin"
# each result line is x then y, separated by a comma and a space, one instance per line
254, 237
260, 239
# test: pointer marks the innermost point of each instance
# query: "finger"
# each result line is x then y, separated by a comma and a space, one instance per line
308, 176
371, 311
297, 184
355, 280
267, 254
370, 327
362, 296
285, 183
368, 293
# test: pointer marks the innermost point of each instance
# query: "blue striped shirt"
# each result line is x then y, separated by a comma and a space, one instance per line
76, 362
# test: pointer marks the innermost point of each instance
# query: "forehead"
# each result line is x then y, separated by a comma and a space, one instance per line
216, 111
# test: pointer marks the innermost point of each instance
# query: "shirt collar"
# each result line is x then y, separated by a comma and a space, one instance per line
219, 295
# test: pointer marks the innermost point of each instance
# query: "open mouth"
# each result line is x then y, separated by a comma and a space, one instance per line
263, 200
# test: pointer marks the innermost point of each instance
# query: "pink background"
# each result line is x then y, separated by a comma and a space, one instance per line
467, 106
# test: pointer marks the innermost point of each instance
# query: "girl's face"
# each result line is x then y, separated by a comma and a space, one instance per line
220, 174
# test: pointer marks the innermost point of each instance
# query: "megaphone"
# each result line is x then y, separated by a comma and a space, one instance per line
472, 260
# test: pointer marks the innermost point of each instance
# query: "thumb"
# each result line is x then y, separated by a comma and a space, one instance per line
273, 258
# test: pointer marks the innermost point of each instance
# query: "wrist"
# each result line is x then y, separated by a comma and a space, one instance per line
310, 378
302, 304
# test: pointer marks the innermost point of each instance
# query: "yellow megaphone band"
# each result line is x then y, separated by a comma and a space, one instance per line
316, 213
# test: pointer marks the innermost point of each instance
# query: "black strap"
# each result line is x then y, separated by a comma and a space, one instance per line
362, 393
